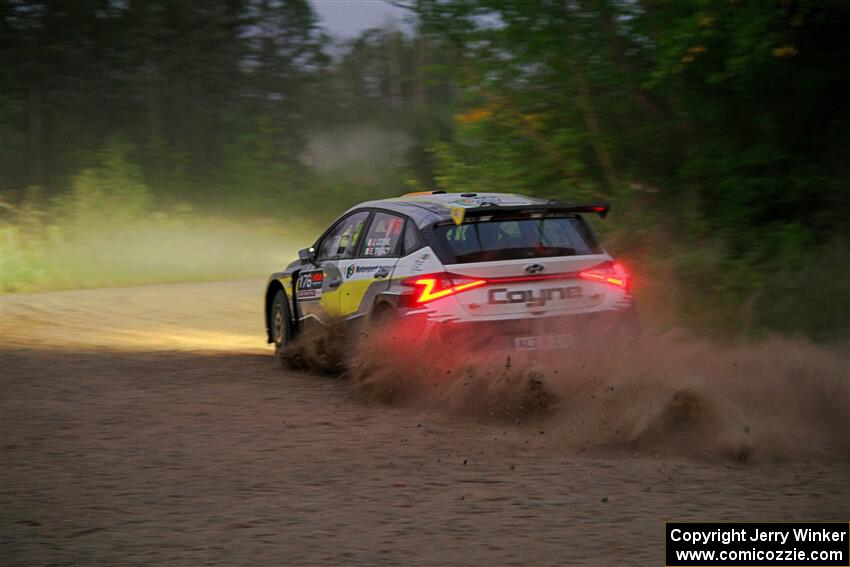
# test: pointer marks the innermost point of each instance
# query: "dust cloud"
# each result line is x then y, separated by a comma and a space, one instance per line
670, 394
153, 248
363, 151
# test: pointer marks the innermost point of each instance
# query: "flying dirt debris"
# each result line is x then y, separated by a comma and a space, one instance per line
670, 394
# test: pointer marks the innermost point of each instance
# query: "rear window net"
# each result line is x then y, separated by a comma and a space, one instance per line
510, 237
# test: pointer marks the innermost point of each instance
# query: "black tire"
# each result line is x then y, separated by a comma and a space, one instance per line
280, 323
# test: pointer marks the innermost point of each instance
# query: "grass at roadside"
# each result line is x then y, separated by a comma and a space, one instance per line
108, 230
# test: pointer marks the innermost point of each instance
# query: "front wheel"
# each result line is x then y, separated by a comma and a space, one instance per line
281, 323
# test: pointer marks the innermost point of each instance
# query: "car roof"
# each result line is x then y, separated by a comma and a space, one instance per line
430, 207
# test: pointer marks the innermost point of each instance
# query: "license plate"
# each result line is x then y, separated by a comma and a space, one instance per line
542, 342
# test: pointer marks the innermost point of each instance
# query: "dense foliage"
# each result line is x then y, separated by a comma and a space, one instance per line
718, 128
719, 125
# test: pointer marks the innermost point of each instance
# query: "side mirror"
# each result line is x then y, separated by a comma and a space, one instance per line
307, 254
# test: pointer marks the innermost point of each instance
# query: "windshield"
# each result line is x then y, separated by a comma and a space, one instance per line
509, 239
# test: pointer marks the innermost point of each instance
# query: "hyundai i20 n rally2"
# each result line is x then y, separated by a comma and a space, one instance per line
526, 272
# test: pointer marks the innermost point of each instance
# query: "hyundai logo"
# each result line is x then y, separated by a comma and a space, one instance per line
534, 268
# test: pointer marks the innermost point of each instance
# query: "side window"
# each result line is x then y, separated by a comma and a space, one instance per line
412, 239
384, 236
341, 241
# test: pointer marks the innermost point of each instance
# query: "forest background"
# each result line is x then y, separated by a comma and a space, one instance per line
150, 140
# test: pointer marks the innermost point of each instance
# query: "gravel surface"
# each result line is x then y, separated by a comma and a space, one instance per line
151, 425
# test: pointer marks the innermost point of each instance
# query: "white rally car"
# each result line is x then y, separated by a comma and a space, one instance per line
508, 270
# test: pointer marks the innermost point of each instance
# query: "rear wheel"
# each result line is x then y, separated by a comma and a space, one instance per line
281, 323
383, 315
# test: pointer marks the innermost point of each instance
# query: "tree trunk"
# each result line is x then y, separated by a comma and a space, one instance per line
419, 86
36, 134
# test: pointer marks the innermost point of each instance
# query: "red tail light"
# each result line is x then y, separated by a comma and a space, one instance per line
610, 273
436, 286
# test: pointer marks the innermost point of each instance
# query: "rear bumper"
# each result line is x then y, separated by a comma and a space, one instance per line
501, 334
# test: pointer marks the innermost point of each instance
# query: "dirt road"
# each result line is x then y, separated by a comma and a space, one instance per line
150, 425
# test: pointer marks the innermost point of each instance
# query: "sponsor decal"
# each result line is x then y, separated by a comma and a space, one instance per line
354, 269
477, 201
419, 262
309, 285
457, 214
530, 297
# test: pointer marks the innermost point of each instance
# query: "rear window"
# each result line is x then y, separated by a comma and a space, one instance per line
515, 238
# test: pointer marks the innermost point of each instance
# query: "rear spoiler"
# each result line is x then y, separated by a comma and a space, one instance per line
600, 209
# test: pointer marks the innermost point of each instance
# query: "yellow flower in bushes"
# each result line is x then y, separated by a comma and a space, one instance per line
785, 51
472, 116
